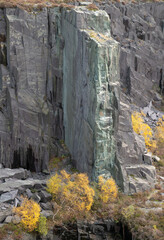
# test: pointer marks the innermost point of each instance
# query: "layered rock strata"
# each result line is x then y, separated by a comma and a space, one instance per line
58, 59
60, 79
91, 90
139, 30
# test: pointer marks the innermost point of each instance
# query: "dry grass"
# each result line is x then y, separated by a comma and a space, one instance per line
30, 4
92, 7
39, 4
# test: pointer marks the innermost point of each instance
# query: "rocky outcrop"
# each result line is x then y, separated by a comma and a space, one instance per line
60, 78
139, 30
90, 90
16, 183
27, 116
59, 59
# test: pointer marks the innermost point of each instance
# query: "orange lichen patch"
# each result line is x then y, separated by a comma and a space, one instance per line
98, 36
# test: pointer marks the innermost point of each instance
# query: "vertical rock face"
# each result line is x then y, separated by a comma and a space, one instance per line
60, 79
90, 82
58, 59
139, 29
29, 108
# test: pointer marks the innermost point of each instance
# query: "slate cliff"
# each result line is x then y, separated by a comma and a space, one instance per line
60, 79
139, 28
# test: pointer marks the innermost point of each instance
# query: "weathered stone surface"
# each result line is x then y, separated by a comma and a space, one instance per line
140, 177
47, 213
36, 197
19, 173
16, 184
141, 170
59, 60
9, 196
40, 62
8, 219
139, 184
45, 196
5, 210
46, 206
148, 158
138, 29
29, 193
1, 166
90, 82
29, 117
155, 158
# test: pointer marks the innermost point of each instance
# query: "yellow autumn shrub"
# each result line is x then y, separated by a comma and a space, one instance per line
108, 189
73, 190
143, 129
29, 212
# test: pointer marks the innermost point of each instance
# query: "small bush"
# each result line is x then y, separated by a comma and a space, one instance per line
143, 129
42, 225
29, 212
108, 189
73, 190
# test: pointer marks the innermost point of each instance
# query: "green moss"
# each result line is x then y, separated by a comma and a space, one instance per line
42, 225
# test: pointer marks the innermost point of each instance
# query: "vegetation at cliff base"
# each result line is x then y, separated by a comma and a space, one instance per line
72, 190
29, 211
75, 198
107, 189
73, 195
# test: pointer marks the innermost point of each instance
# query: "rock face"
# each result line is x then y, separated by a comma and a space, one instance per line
59, 59
26, 114
90, 90
60, 78
139, 30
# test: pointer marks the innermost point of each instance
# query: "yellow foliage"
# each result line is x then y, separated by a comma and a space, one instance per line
154, 142
143, 129
108, 189
73, 190
54, 184
29, 212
